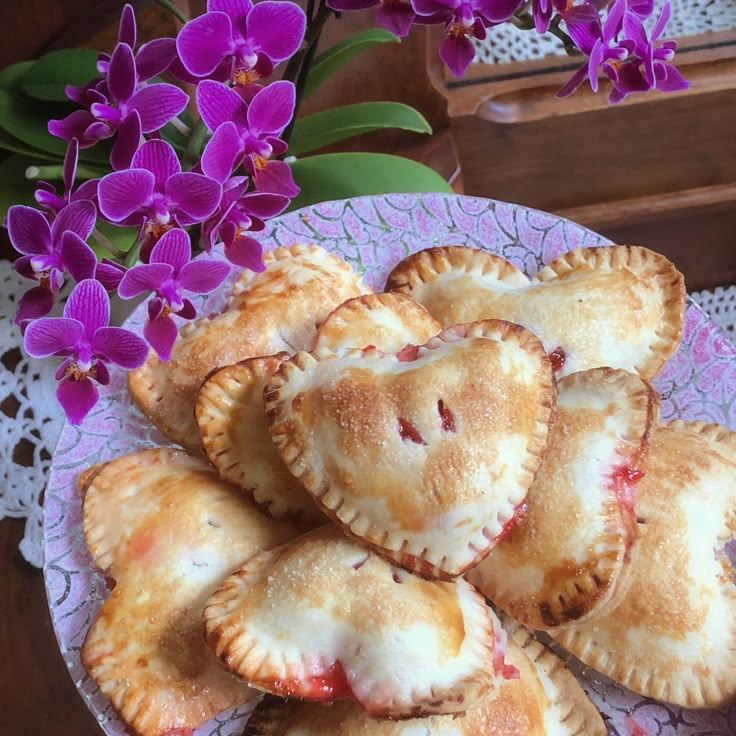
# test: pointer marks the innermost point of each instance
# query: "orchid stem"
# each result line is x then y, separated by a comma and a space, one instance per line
108, 245
298, 67
173, 10
194, 146
570, 48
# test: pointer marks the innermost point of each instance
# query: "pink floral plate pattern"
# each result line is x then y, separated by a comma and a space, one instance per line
372, 234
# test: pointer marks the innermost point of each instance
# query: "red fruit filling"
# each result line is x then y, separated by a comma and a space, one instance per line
623, 482
179, 732
408, 353
447, 416
110, 582
407, 431
511, 523
508, 671
557, 357
327, 686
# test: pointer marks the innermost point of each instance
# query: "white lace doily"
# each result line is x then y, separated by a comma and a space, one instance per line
31, 419
506, 43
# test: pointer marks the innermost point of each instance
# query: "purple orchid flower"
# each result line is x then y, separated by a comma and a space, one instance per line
46, 195
156, 195
248, 40
170, 271
463, 18
241, 211
82, 336
395, 15
48, 250
248, 132
127, 108
544, 10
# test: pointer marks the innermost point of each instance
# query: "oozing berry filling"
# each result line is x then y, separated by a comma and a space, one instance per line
327, 686
511, 523
408, 353
623, 482
557, 357
407, 431
447, 416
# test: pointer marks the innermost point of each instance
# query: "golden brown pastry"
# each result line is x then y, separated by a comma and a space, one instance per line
237, 441
566, 557
269, 312
324, 618
619, 306
425, 455
166, 531
673, 636
546, 700
386, 321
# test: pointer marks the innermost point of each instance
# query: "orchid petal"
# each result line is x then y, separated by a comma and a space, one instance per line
79, 217
35, 303
29, 230
272, 108
203, 276
161, 334
396, 17
236, 10
109, 273
204, 42
496, 11
78, 258
277, 28
77, 397
196, 196
74, 125
264, 204
669, 79
52, 336
24, 266
157, 104
432, 7
594, 62
662, 21
573, 83
457, 53
276, 177
247, 252
86, 190
127, 31
122, 193
617, 16
222, 151
90, 304
218, 104
127, 142
188, 310
121, 76
154, 57
158, 157
174, 249
120, 346
142, 278
102, 374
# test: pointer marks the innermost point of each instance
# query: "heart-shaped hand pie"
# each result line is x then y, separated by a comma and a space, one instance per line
550, 570
167, 531
546, 700
385, 321
673, 636
617, 306
276, 310
324, 618
237, 441
426, 454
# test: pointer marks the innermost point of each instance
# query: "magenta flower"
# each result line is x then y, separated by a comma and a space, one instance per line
156, 195
240, 212
250, 40
170, 271
248, 132
395, 15
49, 250
127, 107
543, 10
86, 342
463, 19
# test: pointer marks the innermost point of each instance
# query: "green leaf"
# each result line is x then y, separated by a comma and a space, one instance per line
27, 120
49, 76
14, 187
329, 126
9, 143
341, 175
331, 60
12, 76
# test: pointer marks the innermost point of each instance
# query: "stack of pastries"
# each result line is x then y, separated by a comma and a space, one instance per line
383, 495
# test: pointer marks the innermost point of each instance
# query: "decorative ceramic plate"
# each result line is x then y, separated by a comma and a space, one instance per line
374, 233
